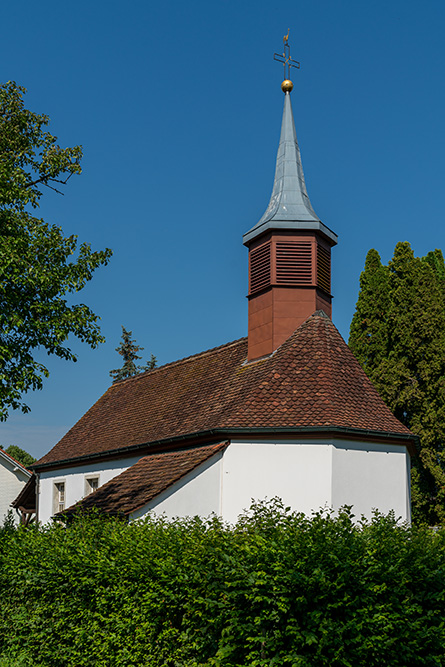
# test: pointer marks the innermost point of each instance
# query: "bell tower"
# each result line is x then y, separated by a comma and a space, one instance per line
289, 248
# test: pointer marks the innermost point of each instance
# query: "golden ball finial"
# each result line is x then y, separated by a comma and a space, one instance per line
287, 86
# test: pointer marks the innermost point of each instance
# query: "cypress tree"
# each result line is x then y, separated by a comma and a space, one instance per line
368, 336
128, 349
406, 360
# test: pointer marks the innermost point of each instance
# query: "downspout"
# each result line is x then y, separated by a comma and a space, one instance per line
37, 496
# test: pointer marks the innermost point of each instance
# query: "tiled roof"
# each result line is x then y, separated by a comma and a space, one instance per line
146, 479
312, 380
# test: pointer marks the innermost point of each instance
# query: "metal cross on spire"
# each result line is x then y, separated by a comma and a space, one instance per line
285, 57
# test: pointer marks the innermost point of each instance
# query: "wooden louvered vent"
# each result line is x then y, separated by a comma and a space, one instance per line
260, 268
294, 263
324, 269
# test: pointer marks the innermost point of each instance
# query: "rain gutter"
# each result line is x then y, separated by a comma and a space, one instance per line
411, 441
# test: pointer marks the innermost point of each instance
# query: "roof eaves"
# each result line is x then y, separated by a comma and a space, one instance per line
132, 449
233, 432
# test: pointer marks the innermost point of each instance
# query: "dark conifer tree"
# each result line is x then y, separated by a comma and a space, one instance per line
368, 336
128, 349
398, 334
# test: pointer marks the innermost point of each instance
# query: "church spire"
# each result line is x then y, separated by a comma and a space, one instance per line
289, 248
289, 206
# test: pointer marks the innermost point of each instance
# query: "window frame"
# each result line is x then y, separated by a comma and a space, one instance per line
58, 504
88, 490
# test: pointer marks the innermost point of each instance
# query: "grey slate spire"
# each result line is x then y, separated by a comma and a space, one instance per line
289, 206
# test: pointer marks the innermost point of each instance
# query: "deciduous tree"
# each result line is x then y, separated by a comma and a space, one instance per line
39, 267
20, 455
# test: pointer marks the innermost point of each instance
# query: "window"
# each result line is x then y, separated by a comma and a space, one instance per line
59, 497
91, 484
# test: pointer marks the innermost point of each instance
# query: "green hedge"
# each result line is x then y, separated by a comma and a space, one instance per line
277, 589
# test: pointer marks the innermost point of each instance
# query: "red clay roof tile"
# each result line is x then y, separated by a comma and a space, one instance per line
312, 380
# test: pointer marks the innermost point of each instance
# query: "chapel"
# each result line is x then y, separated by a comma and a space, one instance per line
285, 412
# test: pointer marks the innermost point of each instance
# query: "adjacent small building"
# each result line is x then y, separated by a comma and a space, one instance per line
285, 412
13, 478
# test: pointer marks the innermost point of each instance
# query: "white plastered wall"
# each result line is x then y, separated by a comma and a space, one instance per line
371, 476
197, 494
74, 479
313, 474
306, 475
297, 472
12, 481
227, 483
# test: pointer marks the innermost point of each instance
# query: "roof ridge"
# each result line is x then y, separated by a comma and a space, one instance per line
316, 314
330, 330
179, 362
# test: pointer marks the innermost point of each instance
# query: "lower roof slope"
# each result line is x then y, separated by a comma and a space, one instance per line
145, 480
312, 380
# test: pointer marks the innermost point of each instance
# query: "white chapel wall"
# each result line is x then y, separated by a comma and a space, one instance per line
371, 476
297, 472
197, 494
226, 484
74, 479
309, 475
306, 474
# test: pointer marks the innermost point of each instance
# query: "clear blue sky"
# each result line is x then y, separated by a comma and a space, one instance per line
178, 108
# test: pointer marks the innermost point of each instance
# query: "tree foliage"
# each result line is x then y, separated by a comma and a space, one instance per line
20, 455
128, 349
398, 335
39, 267
279, 589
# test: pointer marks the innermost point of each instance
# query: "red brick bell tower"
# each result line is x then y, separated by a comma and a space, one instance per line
289, 251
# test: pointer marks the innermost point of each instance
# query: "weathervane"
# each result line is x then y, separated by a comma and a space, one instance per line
287, 61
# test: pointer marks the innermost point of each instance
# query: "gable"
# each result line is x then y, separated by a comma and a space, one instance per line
13, 477
10, 466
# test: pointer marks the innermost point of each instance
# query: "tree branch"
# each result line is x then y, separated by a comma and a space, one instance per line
44, 180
